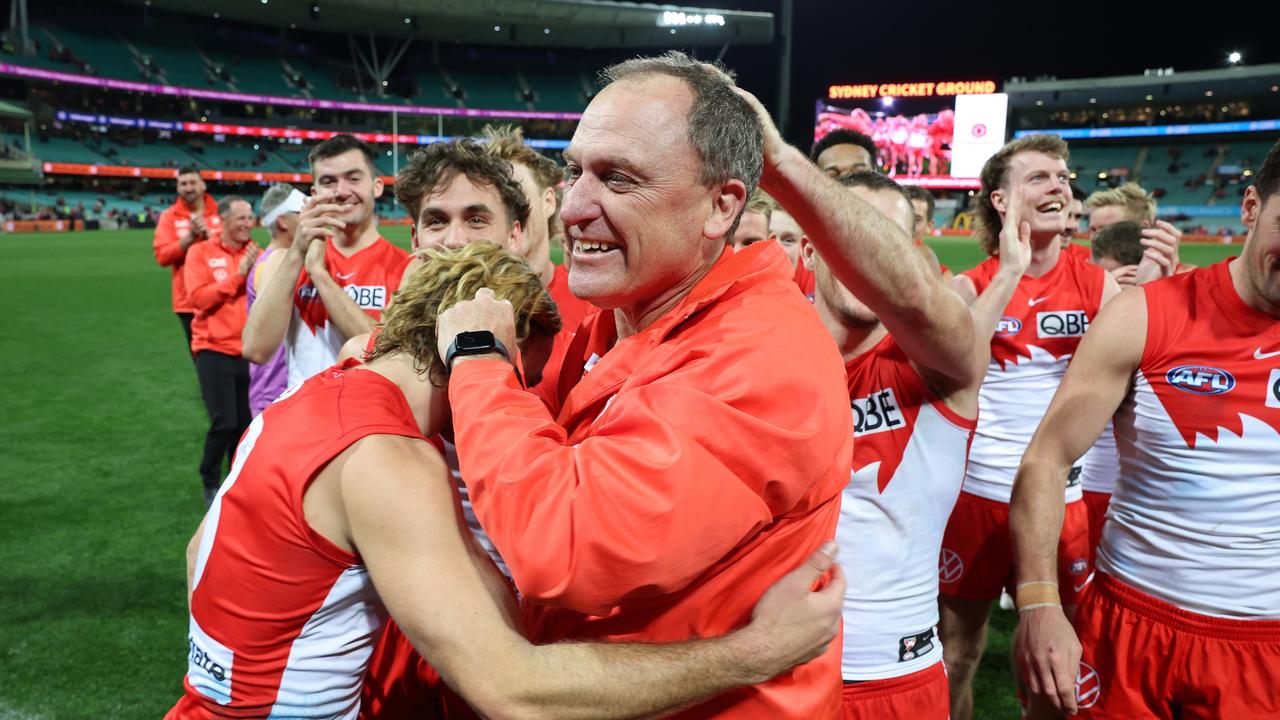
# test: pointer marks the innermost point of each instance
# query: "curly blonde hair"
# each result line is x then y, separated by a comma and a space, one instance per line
1138, 204
448, 277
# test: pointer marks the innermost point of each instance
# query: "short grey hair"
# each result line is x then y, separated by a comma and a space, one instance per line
224, 205
273, 198
723, 127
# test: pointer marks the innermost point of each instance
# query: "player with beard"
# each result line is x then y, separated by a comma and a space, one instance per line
1184, 619
193, 217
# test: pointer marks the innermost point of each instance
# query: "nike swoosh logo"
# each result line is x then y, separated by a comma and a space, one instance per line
1037, 301
1084, 584
348, 276
1259, 355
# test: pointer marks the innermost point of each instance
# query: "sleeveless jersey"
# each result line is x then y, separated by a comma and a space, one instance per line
909, 455
1033, 342
368, 277
282, 620
1193, 520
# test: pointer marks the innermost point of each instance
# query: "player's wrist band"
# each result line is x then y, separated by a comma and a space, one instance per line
1037, 594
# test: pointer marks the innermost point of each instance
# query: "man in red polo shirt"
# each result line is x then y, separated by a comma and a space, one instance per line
215, 274
193, 217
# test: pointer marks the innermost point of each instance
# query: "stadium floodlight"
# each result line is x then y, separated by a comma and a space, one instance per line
1234, 58
886, 101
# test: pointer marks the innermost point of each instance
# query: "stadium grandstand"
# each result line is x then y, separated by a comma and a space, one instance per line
104, 102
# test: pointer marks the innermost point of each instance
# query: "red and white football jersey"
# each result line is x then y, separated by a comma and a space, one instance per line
1033, 342
908, 464
368, 277
282, 620
1195, 517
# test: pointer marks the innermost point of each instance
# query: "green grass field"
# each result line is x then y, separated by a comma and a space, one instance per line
99, 491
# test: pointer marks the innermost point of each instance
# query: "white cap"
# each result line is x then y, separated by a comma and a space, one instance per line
293, 203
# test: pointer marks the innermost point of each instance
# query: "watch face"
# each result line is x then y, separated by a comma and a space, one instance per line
475, 342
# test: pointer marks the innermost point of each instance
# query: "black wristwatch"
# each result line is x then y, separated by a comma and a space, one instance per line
475, 342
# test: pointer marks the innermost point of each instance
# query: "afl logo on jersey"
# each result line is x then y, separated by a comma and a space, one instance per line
1008, 326
1201, 379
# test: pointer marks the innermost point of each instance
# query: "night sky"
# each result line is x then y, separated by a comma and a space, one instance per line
901, 40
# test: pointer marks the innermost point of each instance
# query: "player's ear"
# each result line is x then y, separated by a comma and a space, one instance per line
1250, 208
378, 186
807, 252
998, 201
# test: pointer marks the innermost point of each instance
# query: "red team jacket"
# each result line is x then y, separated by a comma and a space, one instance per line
173, 222
217, 292
690, 466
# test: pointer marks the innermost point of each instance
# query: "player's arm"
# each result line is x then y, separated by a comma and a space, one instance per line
447, 605
169, 247
343, 311
1095, 384
273, 307
193, 552
867, 251
269, 316
1014, 258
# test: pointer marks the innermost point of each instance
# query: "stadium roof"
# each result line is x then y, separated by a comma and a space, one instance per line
1163, 86
544, 23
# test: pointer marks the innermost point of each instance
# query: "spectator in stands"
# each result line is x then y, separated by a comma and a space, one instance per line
1130, 202
540, 179
844, 151
191, 219
279, 212
923, 207
215, 277
753, 226
337, 276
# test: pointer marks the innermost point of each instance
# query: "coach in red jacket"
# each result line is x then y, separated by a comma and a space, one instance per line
704, 434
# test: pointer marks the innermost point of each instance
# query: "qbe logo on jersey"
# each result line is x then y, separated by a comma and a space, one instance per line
1273, 389
877, 412
1061, 323
1201, 379
367, 297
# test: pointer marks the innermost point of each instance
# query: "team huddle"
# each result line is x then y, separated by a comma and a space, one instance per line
469, 482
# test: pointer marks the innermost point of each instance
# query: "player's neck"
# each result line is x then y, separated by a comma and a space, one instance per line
280, 241
428, 402
359, 237
195, 208
539, 259
852, 339
1045, 252
1247, 292
633, 319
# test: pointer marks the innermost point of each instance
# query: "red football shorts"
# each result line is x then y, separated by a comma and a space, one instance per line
1145, 659
977, 556
922, 695
1097, 504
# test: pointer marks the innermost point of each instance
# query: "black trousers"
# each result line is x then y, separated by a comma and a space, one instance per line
185, 319
224, 384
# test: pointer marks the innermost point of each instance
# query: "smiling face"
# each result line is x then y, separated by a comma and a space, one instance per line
463, 212
1046, 183
190, 188
237, 224
641, 226
348, 181
1260, 258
